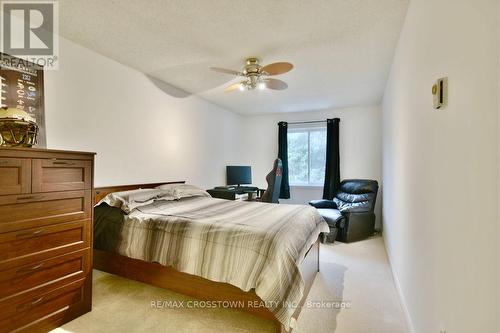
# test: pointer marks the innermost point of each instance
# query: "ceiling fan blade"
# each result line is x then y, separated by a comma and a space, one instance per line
233, 87
226, 71
277, 68
275, 84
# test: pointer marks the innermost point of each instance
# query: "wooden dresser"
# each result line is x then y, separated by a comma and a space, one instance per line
45, 237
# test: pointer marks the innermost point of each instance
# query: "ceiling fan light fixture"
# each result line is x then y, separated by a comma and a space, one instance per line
256, 75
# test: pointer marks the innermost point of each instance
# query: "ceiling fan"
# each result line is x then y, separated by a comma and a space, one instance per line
256, 75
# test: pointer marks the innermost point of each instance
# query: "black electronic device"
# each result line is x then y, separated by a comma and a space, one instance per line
237, 175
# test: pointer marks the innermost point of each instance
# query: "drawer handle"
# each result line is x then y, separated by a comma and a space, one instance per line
30, 305
29, 234
29, 197
23, 271
63, 163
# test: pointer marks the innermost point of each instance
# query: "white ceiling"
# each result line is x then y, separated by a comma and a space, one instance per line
342, 49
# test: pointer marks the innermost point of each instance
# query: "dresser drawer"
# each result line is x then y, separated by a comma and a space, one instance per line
19, 313
52, 175
64, 268
46, 208
15, 175
34, 210
44, 242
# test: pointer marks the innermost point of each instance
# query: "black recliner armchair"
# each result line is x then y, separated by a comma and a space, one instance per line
350, 215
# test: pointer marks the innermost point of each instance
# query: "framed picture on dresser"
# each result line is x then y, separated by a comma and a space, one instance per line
22, 89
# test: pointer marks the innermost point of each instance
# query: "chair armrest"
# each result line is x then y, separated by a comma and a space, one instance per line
323, 203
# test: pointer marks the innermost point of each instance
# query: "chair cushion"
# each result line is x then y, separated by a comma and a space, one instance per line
359, 206
352, 197
358, 186
356, 195
331, 216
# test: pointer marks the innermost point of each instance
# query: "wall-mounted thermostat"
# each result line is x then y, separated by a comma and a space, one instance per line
440, 93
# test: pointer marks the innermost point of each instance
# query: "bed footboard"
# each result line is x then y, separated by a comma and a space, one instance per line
198, 287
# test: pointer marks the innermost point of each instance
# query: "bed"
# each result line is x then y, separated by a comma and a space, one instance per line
260, 258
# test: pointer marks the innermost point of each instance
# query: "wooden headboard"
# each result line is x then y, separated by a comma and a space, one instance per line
101, 192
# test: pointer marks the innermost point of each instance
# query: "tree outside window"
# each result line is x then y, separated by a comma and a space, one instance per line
307, 156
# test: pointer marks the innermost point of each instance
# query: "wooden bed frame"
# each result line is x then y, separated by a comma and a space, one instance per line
191, 285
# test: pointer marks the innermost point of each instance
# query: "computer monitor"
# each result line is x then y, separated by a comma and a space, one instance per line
237, 175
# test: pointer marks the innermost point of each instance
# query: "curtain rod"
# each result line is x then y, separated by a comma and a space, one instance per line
308, 122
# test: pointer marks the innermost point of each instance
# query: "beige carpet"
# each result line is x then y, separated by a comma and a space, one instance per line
356, 273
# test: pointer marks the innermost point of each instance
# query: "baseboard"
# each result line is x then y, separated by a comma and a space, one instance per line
408, 321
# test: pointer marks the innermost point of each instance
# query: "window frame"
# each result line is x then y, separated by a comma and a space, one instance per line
308, 129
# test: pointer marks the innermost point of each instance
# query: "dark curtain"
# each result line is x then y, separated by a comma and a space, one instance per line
283, 155
332, 169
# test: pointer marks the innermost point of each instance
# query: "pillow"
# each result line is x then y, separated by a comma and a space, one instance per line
185, 191
144, 195
168, 187
180, 191
129, 200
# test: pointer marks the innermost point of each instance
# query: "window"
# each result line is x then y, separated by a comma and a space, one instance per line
307, 156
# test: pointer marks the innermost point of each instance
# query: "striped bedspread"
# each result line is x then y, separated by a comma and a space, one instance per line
247, 244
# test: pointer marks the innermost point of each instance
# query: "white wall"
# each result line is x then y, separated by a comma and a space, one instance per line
440, 167
96, 104
140, 133
360, 146
498, 166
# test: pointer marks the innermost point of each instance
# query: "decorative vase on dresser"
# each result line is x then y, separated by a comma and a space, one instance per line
45, 237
